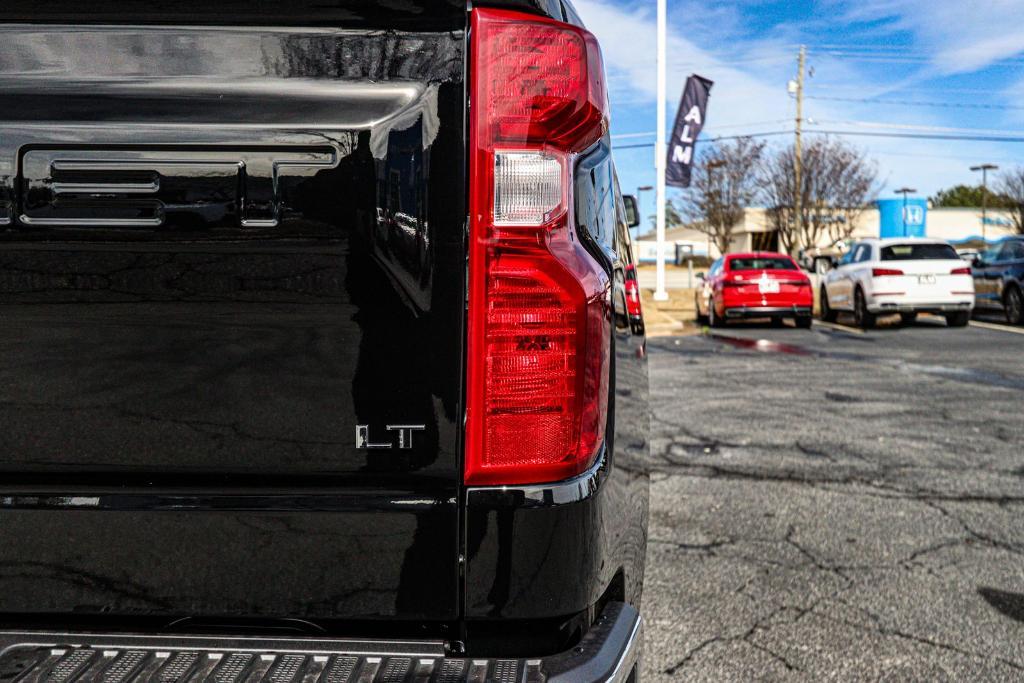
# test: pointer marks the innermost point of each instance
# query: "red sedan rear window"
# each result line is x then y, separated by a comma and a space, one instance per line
762, 263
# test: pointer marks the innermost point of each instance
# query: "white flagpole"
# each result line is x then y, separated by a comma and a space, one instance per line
659, 151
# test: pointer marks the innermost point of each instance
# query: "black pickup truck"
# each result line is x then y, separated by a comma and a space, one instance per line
321, 356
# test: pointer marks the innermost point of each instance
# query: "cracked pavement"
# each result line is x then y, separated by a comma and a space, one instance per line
832, 506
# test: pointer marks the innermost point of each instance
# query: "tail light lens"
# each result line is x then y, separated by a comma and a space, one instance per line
539, 320
960, 271
634, 307
885, 272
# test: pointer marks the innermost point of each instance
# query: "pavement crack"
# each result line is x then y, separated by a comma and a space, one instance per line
891, 631
693, 653
706, 548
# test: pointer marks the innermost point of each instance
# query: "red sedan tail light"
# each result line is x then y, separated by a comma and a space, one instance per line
885, 272
960, 271
634, 305
539, 325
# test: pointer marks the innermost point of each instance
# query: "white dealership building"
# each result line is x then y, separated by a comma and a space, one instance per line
962, 227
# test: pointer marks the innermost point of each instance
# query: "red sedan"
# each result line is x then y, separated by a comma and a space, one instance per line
756, 285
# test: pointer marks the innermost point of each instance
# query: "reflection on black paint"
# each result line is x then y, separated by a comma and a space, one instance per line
216, 307
497, 528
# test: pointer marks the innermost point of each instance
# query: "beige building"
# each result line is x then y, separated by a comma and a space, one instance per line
962, 227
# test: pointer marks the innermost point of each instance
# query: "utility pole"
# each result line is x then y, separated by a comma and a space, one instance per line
798, 160
984, 168
659, 151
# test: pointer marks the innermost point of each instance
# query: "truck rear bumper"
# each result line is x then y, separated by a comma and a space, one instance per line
609, 652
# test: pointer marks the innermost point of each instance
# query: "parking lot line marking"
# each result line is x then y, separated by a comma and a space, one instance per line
995, 326
838, 327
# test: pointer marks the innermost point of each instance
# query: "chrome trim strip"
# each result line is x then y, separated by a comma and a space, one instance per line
97, 222
106, 188
630, 654
573, 490
162, 642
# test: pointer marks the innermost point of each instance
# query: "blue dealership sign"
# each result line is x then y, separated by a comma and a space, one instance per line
899, 218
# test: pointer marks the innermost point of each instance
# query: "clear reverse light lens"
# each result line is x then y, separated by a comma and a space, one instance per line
527, 188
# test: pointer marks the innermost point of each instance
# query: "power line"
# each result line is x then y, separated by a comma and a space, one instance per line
854, 46
916, 103
955, 157
752, 123
857, 133
902, 57
720, 138
922, 128
769, 134
623, 136
620, 136
858, 88
921, 136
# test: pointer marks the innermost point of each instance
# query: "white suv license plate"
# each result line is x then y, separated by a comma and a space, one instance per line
926, 279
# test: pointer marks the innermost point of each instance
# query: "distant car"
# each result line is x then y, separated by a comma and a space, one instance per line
999, 279
820, 259
755, 285
901, 275
969, 254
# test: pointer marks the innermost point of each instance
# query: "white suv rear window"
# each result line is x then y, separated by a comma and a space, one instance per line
919, 252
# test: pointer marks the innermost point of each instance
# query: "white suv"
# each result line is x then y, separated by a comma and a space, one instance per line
902, 275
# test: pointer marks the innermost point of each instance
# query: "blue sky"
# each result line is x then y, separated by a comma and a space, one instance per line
909, 55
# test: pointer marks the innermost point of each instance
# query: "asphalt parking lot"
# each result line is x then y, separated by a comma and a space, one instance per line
831, 505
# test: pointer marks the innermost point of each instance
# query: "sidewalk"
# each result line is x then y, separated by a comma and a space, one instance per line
673, 317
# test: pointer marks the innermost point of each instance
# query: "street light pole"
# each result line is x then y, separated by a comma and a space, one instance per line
659, 150
639, 190
905, 191
984, 168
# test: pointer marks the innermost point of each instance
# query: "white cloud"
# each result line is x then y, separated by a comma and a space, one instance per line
959, 36
628, 41
750, 80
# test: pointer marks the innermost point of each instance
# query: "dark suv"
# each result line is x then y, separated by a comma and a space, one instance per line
321, 355
999, 279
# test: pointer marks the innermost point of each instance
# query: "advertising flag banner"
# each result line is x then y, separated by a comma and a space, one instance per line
689, 122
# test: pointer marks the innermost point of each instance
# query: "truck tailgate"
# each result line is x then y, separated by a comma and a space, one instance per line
231, 312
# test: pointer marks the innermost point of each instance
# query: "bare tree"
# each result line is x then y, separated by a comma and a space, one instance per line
838, 182
1011, 186
777, 183
724, 184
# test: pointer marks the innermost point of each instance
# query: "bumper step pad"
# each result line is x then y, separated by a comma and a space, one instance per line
607, 653
112, 665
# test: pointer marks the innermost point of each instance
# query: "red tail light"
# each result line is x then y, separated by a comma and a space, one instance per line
539, 316
960, 271
633, 304
885, 272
